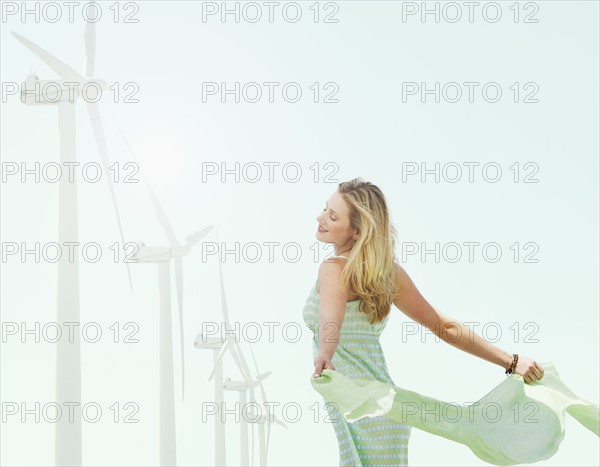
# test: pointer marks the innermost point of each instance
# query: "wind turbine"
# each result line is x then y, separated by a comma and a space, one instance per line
215, 343
162, 256
68, 355
263, 446
248, 384
243, 387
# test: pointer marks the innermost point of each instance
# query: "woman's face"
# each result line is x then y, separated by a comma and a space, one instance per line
335, 220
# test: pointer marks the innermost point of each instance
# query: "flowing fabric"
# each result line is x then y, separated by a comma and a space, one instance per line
516, 422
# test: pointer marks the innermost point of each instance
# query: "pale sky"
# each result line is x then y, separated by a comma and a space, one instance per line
540, 211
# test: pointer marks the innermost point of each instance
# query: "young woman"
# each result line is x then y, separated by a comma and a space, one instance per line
357, 287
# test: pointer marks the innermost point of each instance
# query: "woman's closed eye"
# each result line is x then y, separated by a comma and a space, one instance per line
325, 209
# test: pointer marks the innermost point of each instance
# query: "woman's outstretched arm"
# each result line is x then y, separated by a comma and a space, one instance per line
409, 300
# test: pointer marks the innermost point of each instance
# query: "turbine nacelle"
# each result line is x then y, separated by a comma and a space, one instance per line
246, 384
152, 254
35, 91
208, 342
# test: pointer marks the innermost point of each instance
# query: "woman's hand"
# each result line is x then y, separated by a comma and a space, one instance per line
529, 369
322, 362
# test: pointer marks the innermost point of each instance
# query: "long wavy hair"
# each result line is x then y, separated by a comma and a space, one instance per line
370, 271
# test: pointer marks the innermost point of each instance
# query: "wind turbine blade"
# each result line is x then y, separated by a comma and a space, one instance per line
90, 46
218, 361
238, 357
223, 297
230, 345
279, 422
235, 349
252, 443
60, 68
98, 128
179, 284
259, 376
264, 398
268, 437
196, 236
162, 217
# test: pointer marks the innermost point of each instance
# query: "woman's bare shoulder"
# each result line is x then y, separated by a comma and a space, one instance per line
331, 267
330, 271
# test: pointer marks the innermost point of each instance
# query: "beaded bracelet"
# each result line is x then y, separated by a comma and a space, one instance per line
513, 365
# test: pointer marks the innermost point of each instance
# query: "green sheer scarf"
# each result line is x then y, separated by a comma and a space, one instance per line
516, 422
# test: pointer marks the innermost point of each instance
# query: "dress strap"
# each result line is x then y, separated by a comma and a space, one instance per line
338, 257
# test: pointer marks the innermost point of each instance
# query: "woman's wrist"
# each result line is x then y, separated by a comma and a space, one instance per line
507, 359
324, 356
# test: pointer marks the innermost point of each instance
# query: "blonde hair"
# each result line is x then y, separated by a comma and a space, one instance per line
370, 271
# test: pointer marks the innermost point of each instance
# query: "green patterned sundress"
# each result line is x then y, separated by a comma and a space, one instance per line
369, 441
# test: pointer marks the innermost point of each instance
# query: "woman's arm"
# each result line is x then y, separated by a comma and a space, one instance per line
332, 310
410, 301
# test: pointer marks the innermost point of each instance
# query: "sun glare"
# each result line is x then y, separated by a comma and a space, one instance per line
160, 156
